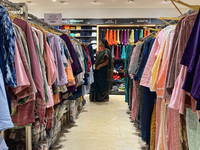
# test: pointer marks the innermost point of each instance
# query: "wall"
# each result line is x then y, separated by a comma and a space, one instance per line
113, 13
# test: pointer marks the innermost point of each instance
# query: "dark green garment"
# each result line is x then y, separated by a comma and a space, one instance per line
103, 78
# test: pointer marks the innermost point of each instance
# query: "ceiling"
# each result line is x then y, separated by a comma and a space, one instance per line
76, 4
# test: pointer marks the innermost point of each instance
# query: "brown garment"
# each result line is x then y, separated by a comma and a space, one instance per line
181, 36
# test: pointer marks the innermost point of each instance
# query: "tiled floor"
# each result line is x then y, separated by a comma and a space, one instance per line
101, 126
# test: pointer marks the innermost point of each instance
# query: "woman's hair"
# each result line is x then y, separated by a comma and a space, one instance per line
105, 42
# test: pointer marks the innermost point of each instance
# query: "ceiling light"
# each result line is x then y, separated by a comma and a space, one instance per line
29, 2
63, 2
130, 1
96, 1
54, 0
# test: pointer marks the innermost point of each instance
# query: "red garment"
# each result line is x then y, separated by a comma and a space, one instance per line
122, 37
115, 37
145, 33
88, 54
110, 41
117, 53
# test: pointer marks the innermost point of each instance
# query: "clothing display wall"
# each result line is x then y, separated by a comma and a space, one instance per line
39, 71
119, 38
162, 86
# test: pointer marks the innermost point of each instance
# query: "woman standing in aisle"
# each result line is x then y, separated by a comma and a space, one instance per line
103, 75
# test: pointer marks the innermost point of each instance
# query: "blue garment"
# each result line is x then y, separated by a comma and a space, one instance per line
147, 51
102, 36
136, 35
123, 52
5, 118
7, 52
57, 27
91, 52
120, 52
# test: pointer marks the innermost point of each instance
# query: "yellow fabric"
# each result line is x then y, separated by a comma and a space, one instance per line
153, 130
78, 27
132, 36
118, 41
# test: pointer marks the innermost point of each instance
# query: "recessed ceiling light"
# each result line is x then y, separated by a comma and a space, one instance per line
96, 1
63, 2
54, 0
29, 2
130, 1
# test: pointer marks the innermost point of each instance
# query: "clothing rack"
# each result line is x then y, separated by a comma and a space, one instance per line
10, 6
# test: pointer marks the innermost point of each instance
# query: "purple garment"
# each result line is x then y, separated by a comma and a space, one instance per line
191, 60
125, 42
75, 65
35, 64
56, 50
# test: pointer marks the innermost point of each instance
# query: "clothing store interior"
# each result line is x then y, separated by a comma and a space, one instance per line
99, 75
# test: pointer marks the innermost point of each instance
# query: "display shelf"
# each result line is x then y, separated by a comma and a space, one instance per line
118, 81
117, 92
85, 37
86, 30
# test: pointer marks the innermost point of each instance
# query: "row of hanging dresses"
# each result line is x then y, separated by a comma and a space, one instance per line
163, 96
124, 36
37, 71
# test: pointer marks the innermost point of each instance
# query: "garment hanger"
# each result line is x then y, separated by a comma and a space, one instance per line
152, 29
194, 7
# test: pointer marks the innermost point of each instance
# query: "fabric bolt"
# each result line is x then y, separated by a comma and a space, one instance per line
55, 47
151, 60
125, 38
35, 64
182, 34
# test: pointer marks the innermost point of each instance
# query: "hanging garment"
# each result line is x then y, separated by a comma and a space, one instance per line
102, 35
136, 36
120, 52
145, 33
128, 37
123, 56
141, 34
117, 53
110, 41
118, 39
153, 130
35, 64
125, 42
151, 60
115, 37
107, 35
55, 47
113, 52
132, 37
122, 37
134, 101
179, 44
191, 83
